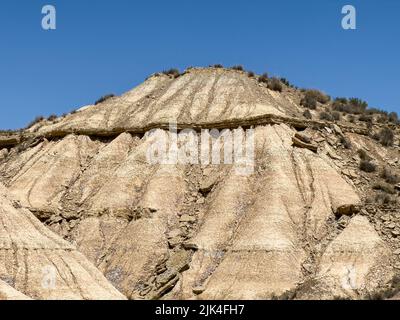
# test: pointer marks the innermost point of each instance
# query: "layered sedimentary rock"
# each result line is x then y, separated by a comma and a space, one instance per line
292, 226
198, 96
245, 230
257, 227
355, 264
36, 263
357, 259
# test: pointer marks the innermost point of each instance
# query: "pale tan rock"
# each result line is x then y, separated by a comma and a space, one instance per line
200, 95
56, 165
239, 250
9, 293
357, 261
118, 198
142, 246
189, 231
301, 144
41, 265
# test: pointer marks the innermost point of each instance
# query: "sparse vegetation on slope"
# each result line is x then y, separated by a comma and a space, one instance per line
390, 177
238, 68
35, 121
386, 137
104, 98
263, 78
286, 82
353, 105
326, 116
385, 187
309, 102
367, 166
307, 114
312, 97
345, 142
172, 72
363, 154
275, 85
52, 117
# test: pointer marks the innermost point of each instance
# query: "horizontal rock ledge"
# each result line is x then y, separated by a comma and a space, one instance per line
7, 141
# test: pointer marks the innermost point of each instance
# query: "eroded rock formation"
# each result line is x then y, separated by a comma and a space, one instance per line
36, 263
298, 226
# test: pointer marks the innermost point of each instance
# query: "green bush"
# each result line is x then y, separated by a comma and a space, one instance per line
319, 96
384, 198
263, 78
251, 74
341, 100
311, 97
307, 114
367, 166
345, 142
172, 72
389, 176
238, 68
365, 118
104, 98
309, 102
386, 137
325, 116
385, 187
358, 103
372, 111
393, 117
363, 155
336, 116
275, 85
353, 105
52, 117
35, 121
285, 82
382, 119
351, 118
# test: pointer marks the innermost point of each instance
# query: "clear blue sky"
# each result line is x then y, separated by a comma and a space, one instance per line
104, 47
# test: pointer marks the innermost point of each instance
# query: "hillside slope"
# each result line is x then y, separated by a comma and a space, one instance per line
306, 223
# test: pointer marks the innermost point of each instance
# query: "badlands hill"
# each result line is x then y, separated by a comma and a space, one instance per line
318, 218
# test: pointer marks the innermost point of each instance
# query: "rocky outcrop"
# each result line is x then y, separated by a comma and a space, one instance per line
257, 230
294, 226
111, 190
302, 141
9, 140
201, 98
355, 264
198, 96
36, 263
